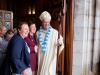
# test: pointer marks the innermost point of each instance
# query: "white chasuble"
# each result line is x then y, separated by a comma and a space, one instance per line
47, 60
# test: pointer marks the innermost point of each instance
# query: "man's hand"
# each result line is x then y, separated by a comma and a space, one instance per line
60, 41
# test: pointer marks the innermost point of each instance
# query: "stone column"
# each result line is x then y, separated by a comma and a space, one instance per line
96, 49
83, 36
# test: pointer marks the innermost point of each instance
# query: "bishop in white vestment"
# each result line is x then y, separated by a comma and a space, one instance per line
47, 46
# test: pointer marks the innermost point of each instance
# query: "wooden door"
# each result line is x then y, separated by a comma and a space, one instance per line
68, 38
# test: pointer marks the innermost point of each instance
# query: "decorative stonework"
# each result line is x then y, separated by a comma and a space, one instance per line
6, 18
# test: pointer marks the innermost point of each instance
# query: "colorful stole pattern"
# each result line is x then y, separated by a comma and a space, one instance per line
45, 42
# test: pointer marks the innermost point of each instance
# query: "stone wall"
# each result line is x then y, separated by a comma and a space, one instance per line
86, 38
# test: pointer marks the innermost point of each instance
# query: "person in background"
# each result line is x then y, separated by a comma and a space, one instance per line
8, 35
15, 31
3, 30
31, 40
17, 59
47, 46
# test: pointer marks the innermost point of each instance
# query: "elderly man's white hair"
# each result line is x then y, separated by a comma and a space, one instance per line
45, 15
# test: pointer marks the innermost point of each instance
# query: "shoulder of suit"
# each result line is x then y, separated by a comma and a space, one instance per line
17, 37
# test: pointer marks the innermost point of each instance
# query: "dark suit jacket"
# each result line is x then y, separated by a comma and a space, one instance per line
17, 56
